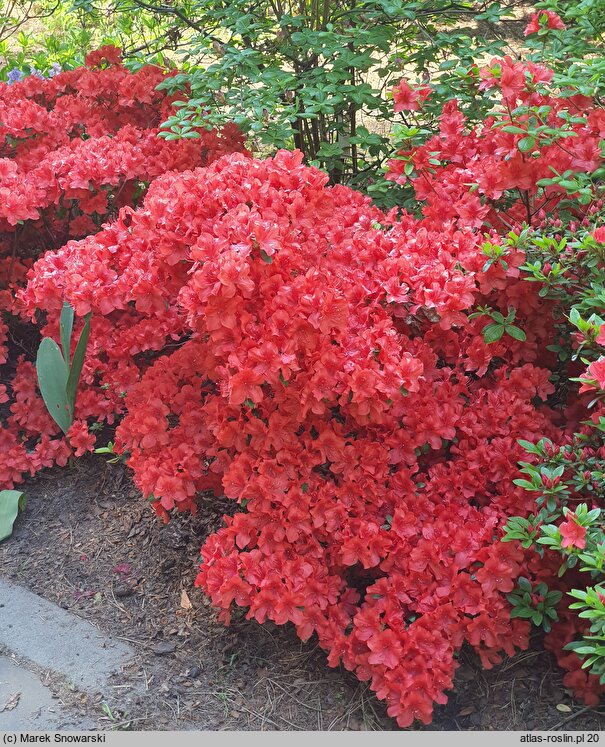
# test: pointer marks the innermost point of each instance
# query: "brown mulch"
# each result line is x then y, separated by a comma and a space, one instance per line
91, 544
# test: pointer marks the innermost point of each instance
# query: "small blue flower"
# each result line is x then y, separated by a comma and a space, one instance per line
15, 75
36, 73
55, 69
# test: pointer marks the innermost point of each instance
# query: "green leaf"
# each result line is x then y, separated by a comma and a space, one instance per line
524, 584
73, 378
528, 446
513, 129
329, 150
516, 333
66, 326
521, 612
574, 316
526, 144
52, 380
11, 502
525, 484
493, 332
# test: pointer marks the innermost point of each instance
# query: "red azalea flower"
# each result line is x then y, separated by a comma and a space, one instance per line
599, 234
407, 98
386, 649
596, 371
544, 19
80, 437
572, 533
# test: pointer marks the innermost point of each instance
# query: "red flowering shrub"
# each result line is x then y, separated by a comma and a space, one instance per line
74, 149
552, 181
337, 377
536, 161
334, 386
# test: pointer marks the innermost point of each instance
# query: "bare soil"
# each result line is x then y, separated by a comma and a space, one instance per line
91, 544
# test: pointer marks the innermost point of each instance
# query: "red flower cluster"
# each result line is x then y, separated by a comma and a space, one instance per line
74, 149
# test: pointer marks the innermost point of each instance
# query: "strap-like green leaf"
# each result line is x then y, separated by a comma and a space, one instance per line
11, 502
52, 380
67, 324
76, 365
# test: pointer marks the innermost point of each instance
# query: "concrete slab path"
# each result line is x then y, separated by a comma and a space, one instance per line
29, 706
55, 640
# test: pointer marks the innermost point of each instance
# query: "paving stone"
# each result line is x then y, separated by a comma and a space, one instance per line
27, 705
43, 633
